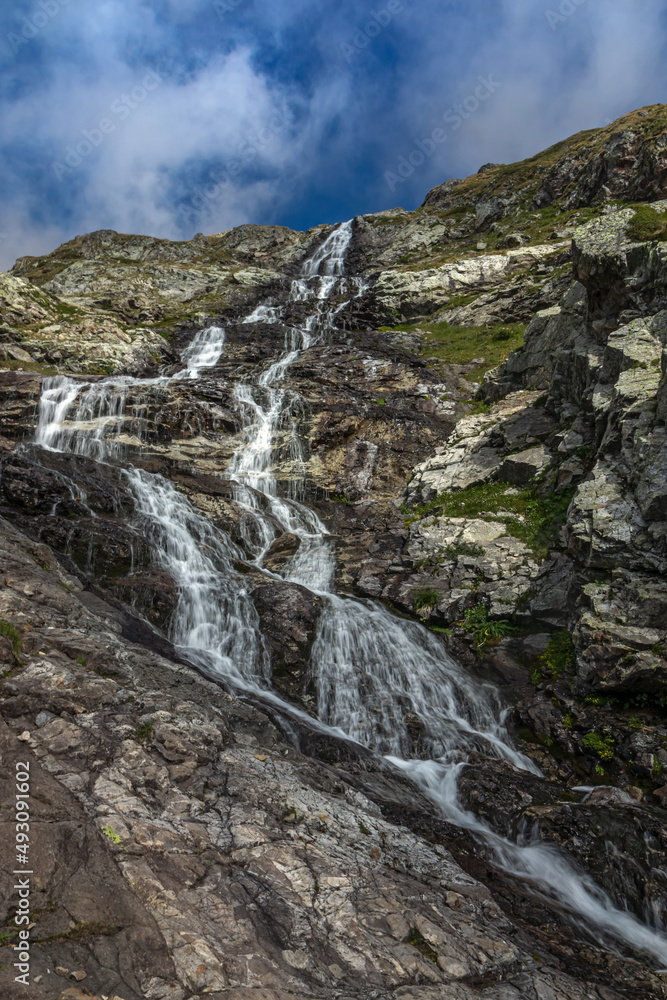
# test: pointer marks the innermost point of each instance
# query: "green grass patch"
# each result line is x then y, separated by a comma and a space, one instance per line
464, 549
648, 224
83, 932
65, 309
28, 366
459, 345
462, 300
534, 520
389, 220
454, 213
11, 633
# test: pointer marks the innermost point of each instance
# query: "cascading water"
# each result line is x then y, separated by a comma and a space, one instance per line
215, 623
371, 668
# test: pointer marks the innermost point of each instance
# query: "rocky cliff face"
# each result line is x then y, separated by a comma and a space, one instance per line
484, 438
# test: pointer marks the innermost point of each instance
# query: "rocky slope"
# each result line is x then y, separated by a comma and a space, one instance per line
524, 518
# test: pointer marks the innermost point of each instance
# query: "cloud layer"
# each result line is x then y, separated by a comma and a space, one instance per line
175, 116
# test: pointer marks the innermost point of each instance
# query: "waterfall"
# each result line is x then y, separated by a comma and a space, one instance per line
371, 668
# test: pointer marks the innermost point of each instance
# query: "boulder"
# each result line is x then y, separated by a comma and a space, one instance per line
10, 351
606, 796
523, 467
288, 620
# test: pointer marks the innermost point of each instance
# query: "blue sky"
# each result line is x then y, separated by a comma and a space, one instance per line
171, 117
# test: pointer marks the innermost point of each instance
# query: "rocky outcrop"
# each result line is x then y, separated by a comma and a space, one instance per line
42, 329
412, 292
600, 358
625, 160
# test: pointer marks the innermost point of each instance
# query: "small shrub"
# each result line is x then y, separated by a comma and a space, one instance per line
568, 722
424, 598
559, 655
483, 629
12, 633
602, 746
144, 732
81, 660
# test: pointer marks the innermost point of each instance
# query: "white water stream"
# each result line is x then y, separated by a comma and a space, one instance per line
370, 667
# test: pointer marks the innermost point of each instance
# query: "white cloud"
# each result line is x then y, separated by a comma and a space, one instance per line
128, 181
345, 122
